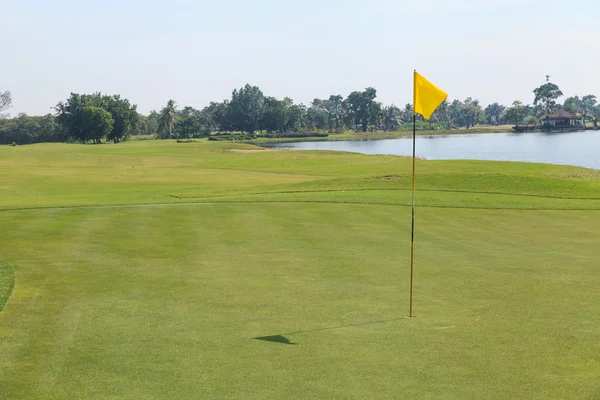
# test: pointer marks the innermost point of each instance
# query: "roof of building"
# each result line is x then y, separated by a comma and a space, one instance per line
562, 114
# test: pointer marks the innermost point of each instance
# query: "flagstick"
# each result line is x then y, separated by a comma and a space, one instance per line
412, 233
430, 97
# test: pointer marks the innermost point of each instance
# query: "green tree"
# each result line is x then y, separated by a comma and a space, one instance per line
531, 120
493, 113
516, 113
407, 114
124, 114
584, 105
60, 110
546, 96
456, 114
97, 123
147, 124
219, 116
25, 129
187, 123
246, 108
336, 110
391, 118
337, 113
192, 123
70, 115
166, 120
73, 109
536, 111
588, 103
595, 114
441, 115
573, 104
472, 112
298, 116
275, 116
318, 118
363, 108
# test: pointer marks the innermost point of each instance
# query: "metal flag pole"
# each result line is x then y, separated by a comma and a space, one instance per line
412, 232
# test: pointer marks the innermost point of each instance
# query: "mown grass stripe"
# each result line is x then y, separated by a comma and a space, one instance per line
254, 201
7, 283
489, 201
385, 189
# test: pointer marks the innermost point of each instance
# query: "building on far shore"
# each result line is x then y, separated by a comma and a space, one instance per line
562, 120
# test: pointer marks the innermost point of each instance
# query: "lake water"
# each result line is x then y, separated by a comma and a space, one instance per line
573, 148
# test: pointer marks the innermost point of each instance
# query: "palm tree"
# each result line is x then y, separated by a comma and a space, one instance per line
166, 119
407, 113
472, 112
392, 118
335, 108
440, 115
61, 115
493, 113
588, 105
595, 112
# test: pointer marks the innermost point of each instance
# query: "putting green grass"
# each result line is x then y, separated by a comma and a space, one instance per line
149, 269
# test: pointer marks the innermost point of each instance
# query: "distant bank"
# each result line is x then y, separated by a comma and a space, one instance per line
379, 135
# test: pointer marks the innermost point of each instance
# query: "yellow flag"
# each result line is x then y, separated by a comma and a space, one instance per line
427, 96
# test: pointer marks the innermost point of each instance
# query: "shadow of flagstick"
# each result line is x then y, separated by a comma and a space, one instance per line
281, 338
275, 339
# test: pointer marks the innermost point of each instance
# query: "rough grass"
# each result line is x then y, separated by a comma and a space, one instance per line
127, 289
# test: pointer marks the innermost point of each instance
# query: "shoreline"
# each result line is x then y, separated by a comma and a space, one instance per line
380, 135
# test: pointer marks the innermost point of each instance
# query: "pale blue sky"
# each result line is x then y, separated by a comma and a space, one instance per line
199, 51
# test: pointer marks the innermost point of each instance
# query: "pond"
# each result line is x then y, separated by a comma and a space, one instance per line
572, 148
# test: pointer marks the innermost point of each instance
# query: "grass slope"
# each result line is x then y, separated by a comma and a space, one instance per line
138, 299
151, 172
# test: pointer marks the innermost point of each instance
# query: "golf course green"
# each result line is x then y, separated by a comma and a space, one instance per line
212, 270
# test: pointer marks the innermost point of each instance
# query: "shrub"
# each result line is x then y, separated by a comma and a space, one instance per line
231, 136
295, 135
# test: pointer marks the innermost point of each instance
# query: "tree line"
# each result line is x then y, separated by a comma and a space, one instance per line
95, 117
81, 118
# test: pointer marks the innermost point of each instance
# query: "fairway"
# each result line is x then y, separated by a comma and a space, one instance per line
149, 269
